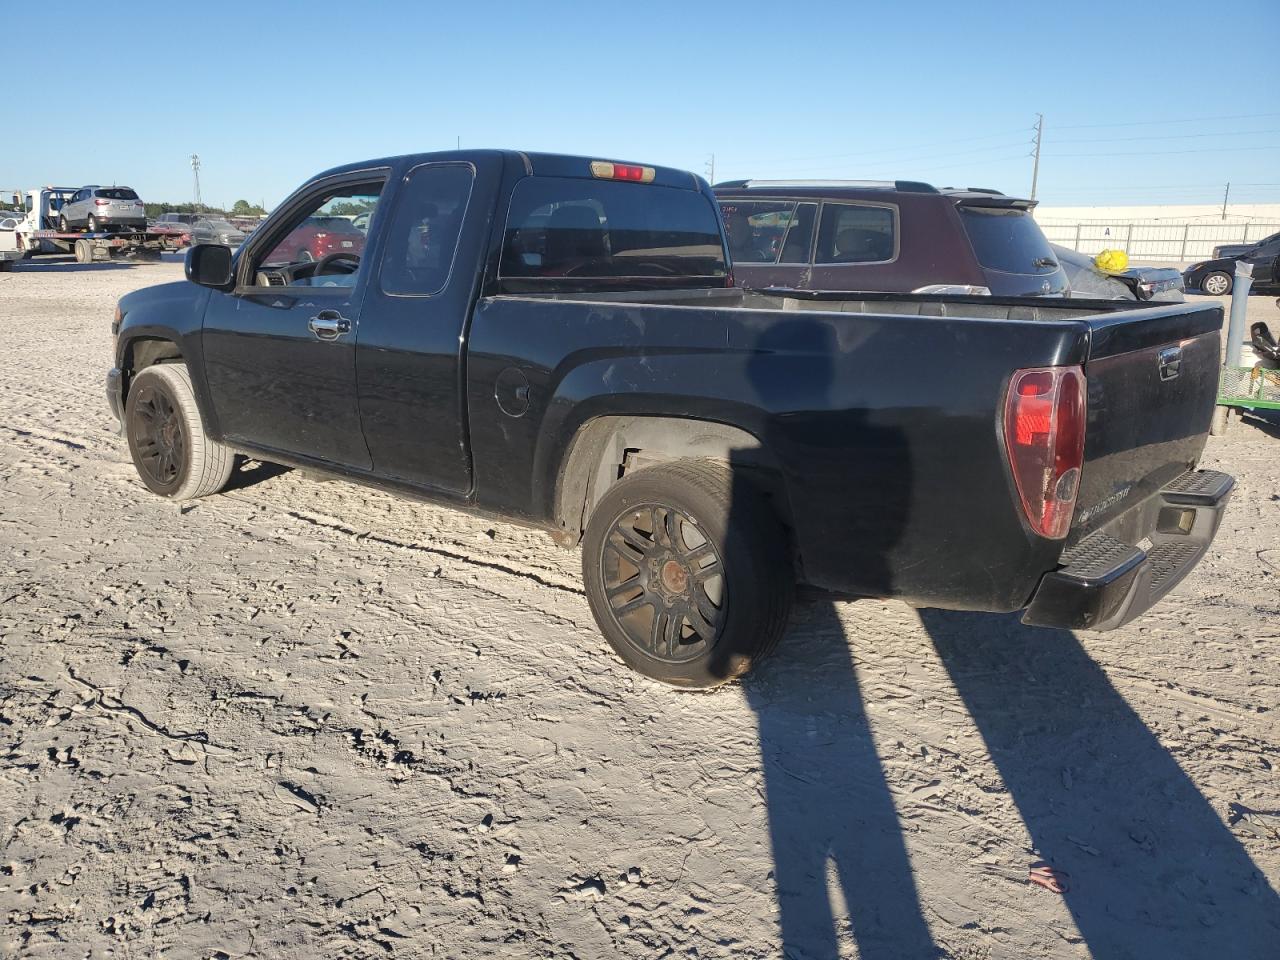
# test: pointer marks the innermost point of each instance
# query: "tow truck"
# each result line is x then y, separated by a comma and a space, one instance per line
37, 232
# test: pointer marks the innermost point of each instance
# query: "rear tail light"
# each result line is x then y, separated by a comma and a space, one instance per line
604, 170
1044, 435
101, 203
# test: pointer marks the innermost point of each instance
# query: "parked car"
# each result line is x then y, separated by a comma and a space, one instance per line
216, 230
317, 237
1235, 249
1217, 277
95, 208
176, 226
1135, 283
556, 341
898, 236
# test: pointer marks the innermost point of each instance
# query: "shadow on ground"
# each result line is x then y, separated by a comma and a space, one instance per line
1153, 870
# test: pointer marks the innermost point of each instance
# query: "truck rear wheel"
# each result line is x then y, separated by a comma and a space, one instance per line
170, 450
688, 573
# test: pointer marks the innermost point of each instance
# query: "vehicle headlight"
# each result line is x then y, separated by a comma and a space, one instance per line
1195, 266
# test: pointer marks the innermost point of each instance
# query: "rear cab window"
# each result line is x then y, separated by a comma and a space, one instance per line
565, 233
1008, 240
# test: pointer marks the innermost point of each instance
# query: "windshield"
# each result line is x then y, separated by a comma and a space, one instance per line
219, 225
333, 224
593, 229
1008, 240
116, 193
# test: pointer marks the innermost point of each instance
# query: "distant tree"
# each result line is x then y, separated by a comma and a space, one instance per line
155, 209
243, 208
348, 209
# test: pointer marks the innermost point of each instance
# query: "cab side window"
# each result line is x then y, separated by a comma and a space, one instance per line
423, 238
319, 245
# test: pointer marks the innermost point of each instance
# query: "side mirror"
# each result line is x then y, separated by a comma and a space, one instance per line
209, 265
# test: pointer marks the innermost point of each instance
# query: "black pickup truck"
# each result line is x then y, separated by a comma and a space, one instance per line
558, 341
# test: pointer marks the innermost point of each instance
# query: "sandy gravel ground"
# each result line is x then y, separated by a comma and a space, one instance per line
307, 720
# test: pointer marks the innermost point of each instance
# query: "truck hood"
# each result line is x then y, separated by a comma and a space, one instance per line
163, 293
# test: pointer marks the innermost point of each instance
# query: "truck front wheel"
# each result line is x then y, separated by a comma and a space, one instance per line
170, 449
688, 572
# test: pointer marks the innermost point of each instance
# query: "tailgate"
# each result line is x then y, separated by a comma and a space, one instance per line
1152, 378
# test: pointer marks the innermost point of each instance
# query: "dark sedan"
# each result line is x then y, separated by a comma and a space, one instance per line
1216, 277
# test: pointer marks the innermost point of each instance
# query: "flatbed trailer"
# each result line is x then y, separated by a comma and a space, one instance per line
105, 245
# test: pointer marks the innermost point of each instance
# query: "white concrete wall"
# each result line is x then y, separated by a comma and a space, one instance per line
1173, 233
1191, 213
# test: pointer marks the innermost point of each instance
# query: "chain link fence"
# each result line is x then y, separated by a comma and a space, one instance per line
1175, 242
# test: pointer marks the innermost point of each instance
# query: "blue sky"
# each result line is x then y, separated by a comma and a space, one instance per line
1140, 101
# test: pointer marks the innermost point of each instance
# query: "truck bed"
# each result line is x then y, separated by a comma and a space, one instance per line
883, 410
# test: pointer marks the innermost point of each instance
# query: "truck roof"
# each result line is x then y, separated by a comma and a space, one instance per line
539, 164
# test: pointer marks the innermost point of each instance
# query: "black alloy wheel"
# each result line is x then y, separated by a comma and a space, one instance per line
665, 583
160, 436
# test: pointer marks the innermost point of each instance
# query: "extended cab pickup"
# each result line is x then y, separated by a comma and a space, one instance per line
558, 341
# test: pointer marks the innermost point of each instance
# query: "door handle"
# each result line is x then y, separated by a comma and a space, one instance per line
329, 325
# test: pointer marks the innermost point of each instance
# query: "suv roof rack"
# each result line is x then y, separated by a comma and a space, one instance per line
902, 186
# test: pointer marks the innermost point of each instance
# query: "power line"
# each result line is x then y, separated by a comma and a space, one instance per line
1176, 136
903, 161
1145, 123
1165, 153
899, 149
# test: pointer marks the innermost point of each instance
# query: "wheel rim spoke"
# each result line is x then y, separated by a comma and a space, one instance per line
700, 624
707, 610
631, 606
631, 537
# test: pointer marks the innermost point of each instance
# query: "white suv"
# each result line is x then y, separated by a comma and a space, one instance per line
95, 208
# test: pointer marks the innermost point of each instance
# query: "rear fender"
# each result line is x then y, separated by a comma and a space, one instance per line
606, 448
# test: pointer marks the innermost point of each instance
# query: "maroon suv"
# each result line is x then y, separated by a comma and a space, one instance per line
317, 237
892, 236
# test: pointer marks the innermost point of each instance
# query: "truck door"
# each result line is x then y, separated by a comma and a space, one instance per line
411, 347
279, 350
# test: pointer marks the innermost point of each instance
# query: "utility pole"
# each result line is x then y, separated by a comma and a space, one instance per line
710, 167
1225, 194
1035, 167
195, 172
458, 144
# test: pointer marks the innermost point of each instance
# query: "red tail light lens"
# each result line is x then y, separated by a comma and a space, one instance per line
1044, 415
605, 170
101, 203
